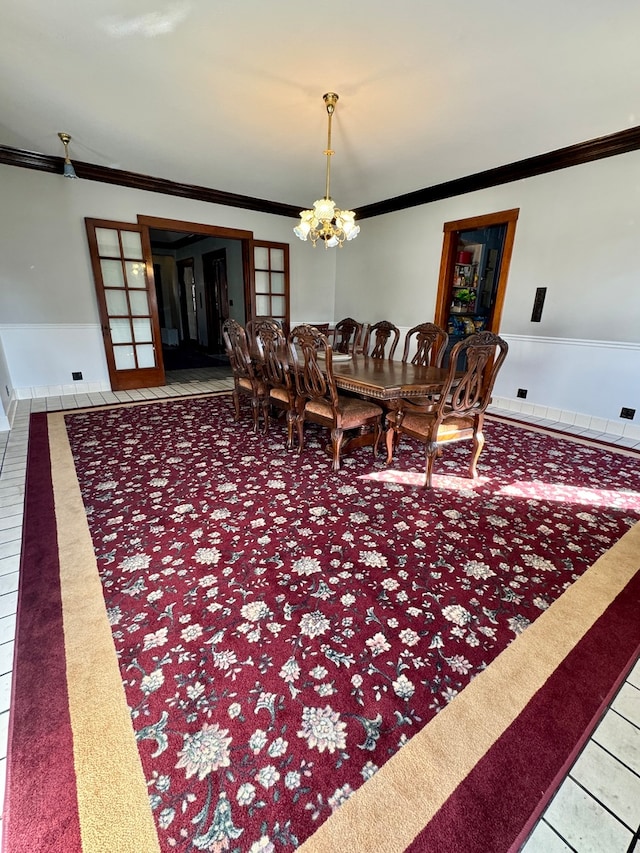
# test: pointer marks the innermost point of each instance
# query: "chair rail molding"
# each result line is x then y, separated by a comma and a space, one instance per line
573, 342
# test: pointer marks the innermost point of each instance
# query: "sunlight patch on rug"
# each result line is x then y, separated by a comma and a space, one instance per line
567, 494
416, 479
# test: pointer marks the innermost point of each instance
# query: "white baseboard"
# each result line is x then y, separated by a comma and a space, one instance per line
615, 428
60, 390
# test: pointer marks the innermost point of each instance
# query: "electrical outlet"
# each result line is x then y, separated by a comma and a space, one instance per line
76, 374
522, 393
629, 414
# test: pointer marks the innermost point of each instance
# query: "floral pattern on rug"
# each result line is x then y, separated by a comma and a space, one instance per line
282, 631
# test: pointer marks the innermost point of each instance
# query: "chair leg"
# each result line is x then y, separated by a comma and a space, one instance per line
265, 414
337, 436
391, 443
255, 411
432, 452
300, 427
290, 426
376, 441
478, 444
236, 405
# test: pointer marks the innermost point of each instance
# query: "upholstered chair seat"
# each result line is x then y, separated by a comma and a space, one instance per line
351, 410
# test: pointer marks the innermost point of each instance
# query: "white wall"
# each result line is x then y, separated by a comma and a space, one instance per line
49, 323
578, 235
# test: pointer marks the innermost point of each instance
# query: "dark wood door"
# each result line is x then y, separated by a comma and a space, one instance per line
214, 273
188, 304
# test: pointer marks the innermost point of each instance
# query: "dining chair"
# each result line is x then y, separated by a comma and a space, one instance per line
317, 397
383, 332
246, 379
430, 341
347, 335
456, 412
321, 327
272, 347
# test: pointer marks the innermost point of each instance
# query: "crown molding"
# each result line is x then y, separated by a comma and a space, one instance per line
562, 158
611, 145
135, 180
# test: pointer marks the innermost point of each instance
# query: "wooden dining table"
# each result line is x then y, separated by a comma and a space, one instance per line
382, 379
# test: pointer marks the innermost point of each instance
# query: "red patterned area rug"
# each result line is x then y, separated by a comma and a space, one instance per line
223, 646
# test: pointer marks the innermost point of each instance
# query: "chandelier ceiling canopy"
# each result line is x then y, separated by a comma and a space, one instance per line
326, 222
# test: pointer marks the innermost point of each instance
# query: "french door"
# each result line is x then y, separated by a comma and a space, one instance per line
269, 292
123, 275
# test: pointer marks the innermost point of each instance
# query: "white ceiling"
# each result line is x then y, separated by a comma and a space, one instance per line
227, 94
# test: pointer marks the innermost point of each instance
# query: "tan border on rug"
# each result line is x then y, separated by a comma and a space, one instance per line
388, 812
113, 802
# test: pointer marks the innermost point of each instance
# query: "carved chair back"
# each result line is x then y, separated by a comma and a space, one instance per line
251, 327
313, 365
272, 347
346, 335
383, 333
431, 342
237, 346
469, 393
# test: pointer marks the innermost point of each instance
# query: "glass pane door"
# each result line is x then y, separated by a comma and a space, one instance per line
270, 296
127, 304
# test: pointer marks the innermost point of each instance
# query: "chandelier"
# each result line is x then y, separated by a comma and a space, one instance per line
325, 221
68, 170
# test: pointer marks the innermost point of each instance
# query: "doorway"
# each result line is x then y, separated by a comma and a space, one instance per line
191, 271
474, 270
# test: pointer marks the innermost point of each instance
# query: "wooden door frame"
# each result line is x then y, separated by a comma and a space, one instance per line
448, 259
245, 237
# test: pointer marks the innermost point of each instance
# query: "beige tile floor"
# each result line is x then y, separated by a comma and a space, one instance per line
596, 808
